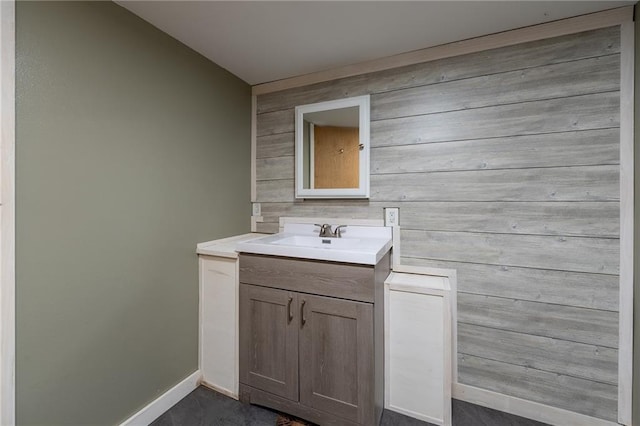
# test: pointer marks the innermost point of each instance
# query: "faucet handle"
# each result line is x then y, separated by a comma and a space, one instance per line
338, 230
325, 229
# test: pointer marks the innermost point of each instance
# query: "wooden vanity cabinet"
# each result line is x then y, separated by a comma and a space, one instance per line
305, 351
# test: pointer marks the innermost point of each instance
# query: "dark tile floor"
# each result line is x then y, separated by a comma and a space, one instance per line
204, 407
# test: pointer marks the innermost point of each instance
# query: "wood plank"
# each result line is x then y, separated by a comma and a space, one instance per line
268, 340
584, 183
275, 190
272, 123
279, 145
586, 219
579, 325
274, 168
349, 209
337, 356
267, 228
527, 55
628, 138
582, 219
593, 75
595, 111
508, 38
347, 281
575, 254
586, 290
589, 183
582, 396
589, 362
591, 147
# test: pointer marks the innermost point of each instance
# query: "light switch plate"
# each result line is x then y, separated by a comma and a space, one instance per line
391, 216
256, 209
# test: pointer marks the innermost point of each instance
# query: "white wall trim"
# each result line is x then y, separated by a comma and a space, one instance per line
625, 349
7, 225
330, 220
158, 406
592, 21
524, 408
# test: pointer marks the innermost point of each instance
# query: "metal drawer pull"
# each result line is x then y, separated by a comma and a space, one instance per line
304, 320
289, 309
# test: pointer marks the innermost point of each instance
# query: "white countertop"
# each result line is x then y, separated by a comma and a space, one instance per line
225, 247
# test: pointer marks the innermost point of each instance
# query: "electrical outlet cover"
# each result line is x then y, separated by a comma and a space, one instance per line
391, 216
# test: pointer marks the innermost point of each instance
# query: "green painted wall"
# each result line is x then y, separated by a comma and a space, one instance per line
131, 148
636, 239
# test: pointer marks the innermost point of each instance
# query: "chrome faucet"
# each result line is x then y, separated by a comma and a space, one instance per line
327, 232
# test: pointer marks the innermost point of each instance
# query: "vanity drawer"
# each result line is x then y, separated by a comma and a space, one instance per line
346, 281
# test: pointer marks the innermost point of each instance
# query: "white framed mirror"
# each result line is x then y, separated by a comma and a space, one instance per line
332, 149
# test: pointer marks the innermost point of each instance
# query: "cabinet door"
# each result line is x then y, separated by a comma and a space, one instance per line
269, 340
336, 357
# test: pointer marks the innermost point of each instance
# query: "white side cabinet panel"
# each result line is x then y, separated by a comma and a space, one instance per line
219, 324
418, 346
219, 292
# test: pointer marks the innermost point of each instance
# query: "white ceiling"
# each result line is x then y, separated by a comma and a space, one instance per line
262, 41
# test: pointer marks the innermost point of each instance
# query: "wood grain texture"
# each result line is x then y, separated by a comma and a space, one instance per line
527, 55
583, 290
268, 340
279, 145
274, 123
592, 147
590, 362
275, 190
576, 254
582, 219
579, 395
593, 111
274, 168
347, 281
267, 228
355, 209
579, 325
561, 80
505, 165
584, 183
336, 350
588, 219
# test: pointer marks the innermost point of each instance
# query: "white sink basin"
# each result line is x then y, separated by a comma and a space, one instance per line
359, 244
328, 243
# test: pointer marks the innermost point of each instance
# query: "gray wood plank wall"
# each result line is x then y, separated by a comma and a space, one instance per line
505, 167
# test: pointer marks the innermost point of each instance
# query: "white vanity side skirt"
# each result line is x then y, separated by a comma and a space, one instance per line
219, 324
418, 347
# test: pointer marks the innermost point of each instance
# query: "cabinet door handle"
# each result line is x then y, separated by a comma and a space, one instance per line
289, 309
303, 319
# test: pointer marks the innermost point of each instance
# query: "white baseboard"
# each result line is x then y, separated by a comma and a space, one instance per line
158, 406
523, 408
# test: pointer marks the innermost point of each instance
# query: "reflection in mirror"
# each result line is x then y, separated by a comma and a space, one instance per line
332, 155
331, 148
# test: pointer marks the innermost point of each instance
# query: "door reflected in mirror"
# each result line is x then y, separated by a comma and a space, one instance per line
332, 155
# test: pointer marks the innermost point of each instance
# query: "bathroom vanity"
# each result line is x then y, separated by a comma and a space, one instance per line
312, 330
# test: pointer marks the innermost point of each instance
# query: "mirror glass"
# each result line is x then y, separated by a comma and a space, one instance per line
332, 149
